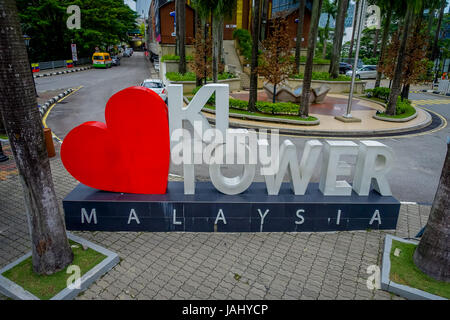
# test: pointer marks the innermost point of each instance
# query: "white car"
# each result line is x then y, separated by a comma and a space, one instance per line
157, 86
366, 72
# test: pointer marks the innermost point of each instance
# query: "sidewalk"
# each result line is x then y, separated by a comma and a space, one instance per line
212, 265
62, 70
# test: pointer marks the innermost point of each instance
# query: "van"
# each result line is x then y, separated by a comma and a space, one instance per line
101, 60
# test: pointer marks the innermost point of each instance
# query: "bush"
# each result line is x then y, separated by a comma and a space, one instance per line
281, 108
325, 76
173, 57
244, 39
211, 100
190, 76
381, 93
370, 61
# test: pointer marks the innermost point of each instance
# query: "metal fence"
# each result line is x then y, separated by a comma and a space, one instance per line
61, 63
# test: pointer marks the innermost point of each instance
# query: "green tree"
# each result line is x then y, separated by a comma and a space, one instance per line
51, 251
386, 7
103, 23
330, 9
256, 26
298, 41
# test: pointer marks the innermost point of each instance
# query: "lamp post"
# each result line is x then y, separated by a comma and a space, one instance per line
27, 39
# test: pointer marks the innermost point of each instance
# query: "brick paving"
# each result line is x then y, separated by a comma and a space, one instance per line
216, 265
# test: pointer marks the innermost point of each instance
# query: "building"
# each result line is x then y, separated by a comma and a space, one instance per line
142, 8
161, 28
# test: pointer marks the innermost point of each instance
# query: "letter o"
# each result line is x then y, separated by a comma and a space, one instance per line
235, 185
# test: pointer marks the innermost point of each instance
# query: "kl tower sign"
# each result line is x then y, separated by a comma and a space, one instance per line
123, 167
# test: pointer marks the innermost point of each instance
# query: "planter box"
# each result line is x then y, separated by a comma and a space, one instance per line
188, 86
172, 66
336, 86
170, 49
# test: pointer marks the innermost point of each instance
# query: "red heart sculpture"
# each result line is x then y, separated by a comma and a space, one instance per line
130, 153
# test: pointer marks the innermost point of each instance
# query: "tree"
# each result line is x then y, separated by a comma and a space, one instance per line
386, 7
299, 39
181, 33
51, 251
103, 23
397, 78
255, 53
435, 50
276, 64
306, 90
201, 64
338, 36
330, 9
432, 254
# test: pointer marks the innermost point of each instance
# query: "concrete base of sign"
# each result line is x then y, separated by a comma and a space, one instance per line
347, 119
211, 211
391, 286
14, 291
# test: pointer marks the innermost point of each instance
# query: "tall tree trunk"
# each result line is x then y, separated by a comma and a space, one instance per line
177, 29
435, 52
181, 27
384, 40
398, 71
338, 36
216, 23
220, 38
325, 37
298, 41
375, 43
254, 64
198, 26
432, 253
355, 14
314, 26
274, 93
50, 248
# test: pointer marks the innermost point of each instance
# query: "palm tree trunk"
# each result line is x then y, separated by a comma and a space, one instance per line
306, 90
216, 35
384, 39
177, 29
435, 51
220, 38
338, 36
254, 64
398, 71
274, 93
198, 27
181, 27
432, 253
350, 52
325, 37
298, 41
51, 251
375, 43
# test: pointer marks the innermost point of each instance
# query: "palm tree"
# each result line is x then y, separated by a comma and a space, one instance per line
435, 50
338, 36
298, 41
431, 255
51, 251
350, 52
181, 33
330, 9
398, 70
254, 64
306, 90
386, 6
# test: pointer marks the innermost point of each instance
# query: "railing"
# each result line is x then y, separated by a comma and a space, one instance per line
61, 63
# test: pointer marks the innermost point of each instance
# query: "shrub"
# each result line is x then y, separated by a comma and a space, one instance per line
211, 100
325, 76
169, 57
381, 92
370, 61
282, 108
244, 39
190, 76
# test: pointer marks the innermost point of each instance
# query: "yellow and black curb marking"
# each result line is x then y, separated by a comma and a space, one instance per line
50, 104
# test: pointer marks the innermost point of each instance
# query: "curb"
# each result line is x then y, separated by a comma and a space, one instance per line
435, 93
43, 109
402, 290
61, 72
397, 119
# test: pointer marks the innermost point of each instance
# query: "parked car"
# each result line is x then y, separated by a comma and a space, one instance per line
366, 72
351, 61
128, 52
115, 60
344, 67
157, 86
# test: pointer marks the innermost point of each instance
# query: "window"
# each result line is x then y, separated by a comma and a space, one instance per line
98, 57
153, 85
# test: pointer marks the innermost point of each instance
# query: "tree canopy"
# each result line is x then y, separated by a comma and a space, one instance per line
103, 23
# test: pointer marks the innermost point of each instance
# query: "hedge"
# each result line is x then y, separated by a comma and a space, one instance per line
325, 76
173, 57
190, 76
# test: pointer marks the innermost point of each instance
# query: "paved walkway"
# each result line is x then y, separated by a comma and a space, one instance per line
231, 58
212, 265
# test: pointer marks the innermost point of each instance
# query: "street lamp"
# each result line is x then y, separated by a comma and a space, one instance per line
27, 39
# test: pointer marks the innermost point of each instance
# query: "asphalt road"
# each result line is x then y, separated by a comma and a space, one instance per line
414, 177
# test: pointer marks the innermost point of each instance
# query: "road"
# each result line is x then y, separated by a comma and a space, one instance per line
414, 177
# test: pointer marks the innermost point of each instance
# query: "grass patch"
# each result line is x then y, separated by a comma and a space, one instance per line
404, 271
260, 114
45, 287
172, 57
3, 137
408, 110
